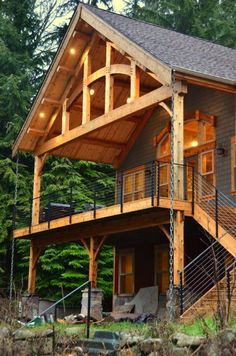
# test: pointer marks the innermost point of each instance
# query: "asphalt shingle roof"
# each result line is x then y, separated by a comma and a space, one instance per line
177, 50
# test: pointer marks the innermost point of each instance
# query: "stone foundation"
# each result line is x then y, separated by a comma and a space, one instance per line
96, 303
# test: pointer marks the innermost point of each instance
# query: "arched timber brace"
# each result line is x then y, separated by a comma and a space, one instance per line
93, 250
38, 166
35, 252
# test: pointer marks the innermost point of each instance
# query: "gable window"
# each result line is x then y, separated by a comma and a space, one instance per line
126, 272
207, 171
133, 185
233, 164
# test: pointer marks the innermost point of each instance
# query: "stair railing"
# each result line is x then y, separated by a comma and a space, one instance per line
202, 273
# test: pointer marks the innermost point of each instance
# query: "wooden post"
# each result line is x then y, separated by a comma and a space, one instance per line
109, 81
86, 94
65, 121
38, 166
134, 81
178, 122
93, 251
178, 245
35, 252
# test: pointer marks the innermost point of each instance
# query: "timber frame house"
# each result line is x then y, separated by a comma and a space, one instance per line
108, 97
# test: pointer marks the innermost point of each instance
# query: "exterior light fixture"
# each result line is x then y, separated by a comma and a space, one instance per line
194, 143
72, 51
91, 91
220, 150
41, 114
128, 100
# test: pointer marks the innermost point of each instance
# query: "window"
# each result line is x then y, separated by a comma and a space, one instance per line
133, 186
191, 134
164, 180
126, 272
233, 164
164, 146
207, 171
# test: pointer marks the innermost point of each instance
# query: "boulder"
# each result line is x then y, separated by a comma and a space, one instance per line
23, 334
4, 332
184, 340
150, 345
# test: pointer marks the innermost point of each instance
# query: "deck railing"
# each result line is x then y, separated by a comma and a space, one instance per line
151, 180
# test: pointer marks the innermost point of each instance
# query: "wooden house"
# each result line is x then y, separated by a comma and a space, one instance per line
160, 107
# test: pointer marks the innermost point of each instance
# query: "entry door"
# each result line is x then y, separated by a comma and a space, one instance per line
162, 268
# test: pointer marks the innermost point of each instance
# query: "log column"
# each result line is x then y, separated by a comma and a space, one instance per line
35, 252
178, 245
38, 166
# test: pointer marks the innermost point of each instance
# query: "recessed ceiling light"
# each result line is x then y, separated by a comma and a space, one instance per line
72, 51
128, 100
41, 114
91, 91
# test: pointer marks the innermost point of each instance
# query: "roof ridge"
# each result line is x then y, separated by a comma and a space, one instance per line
159, 26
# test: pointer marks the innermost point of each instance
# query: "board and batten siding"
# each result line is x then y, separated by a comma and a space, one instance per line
208, 101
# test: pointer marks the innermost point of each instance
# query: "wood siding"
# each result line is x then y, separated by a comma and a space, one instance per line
209, 101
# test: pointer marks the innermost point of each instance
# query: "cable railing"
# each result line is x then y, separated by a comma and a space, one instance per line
203, 272
118, 188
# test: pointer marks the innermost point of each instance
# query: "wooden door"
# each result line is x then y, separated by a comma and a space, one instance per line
162, 268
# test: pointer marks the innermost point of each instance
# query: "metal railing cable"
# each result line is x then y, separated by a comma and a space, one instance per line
77, 289
203, 272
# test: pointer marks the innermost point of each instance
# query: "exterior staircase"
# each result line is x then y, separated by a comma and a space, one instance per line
208, 282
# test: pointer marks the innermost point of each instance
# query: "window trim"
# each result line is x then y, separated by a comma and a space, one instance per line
125, 252
233, 165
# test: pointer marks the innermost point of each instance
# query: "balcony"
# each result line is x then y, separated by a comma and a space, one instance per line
138, 192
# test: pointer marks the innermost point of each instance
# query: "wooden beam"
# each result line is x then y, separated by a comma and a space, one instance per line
132, 139
144, 102
93, 262
128, 46
166, 108
65, 119
104, 143
134, 81
68, 87
109, 82
66, 70
86, 94
35, 131
178, 246
50, 102
165, 231
206, 83
38, 166
85, 245
178, 132
35, 252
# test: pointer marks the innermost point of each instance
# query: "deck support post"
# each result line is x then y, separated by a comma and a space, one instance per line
93, 250
178, 132
35, 253
178, 246
38, 166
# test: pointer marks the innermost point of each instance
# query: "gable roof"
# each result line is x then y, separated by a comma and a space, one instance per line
181, 52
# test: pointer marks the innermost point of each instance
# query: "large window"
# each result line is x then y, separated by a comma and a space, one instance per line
133, 185
233, 164
207, 171
198, 130
126, 272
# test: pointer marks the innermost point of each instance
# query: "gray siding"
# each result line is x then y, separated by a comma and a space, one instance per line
209, 101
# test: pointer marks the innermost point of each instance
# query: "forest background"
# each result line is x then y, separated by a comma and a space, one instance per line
28, 41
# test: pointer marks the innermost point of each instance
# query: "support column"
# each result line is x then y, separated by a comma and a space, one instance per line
109, 81
86, 95
178, 132
178, 246
38, 166
93, 263
134, 81
35, 252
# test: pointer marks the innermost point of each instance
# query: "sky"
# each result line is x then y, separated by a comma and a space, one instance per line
118, 5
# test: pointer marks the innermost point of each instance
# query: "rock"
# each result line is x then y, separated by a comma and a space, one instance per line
182, 340
23, 334
132, 340
150, 345
180, 351
4, 332
46, 333
227, 336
